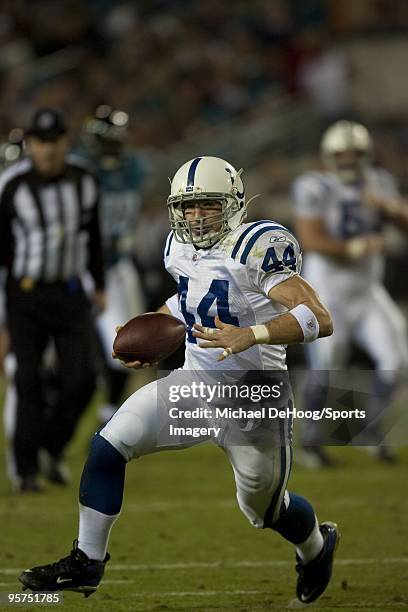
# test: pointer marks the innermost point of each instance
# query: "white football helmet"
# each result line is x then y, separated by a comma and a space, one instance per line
345, 136
211, 179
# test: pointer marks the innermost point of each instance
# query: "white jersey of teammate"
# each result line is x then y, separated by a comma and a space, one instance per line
323, 195
232, 279
361, 308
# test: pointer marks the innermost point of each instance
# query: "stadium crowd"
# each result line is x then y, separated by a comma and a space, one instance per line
178, 67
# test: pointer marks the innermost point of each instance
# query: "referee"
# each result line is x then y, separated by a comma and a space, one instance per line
49, 238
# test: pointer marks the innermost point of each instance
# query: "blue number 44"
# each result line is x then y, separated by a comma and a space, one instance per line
218, 292
271, 263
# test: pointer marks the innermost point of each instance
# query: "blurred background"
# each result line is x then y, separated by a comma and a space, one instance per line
273, 71
253, 82
183, 69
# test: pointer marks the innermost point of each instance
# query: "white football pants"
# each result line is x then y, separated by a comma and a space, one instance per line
261, 472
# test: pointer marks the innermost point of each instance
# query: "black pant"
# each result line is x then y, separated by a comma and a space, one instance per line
58, 311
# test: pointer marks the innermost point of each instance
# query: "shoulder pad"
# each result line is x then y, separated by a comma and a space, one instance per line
260, 233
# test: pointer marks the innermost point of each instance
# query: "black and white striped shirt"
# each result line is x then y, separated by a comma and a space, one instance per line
49, 228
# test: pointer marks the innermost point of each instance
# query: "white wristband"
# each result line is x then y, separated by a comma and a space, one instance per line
261, 334
307, 321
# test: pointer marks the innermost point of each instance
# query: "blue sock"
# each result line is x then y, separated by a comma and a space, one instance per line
296, 522
103, 478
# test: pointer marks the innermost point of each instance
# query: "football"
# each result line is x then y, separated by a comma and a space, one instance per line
150, 337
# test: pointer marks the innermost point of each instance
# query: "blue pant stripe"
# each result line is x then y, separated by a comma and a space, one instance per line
284, 475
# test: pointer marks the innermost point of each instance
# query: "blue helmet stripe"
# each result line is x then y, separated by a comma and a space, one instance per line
192, 171
255, 237
243, 235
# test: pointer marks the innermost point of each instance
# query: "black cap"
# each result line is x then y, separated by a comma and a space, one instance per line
47, 124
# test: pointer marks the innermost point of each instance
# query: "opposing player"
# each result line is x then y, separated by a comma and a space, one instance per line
121, 174
340, 214
241, 296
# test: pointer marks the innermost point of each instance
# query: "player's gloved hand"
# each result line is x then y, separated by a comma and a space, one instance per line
364, 245
132, 365
231, 338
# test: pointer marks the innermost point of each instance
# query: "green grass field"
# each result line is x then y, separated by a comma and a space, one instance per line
182, 543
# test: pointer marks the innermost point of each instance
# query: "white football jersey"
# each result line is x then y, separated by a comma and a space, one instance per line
339, 206
232, 279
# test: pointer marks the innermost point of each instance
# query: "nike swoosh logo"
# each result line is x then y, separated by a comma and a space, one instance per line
60, 580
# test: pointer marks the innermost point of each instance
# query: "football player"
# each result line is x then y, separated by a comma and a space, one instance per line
340, 214
243, 300
121, 175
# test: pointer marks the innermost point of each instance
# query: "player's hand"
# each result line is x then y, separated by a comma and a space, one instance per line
231, 338
365, 245
132, 365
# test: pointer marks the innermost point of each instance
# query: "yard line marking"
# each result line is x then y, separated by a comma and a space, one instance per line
203, 593
226, 564
233, 564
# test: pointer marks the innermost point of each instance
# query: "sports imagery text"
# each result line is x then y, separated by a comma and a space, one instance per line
213, 418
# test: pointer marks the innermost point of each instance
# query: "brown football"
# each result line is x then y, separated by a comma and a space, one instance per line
150, 337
